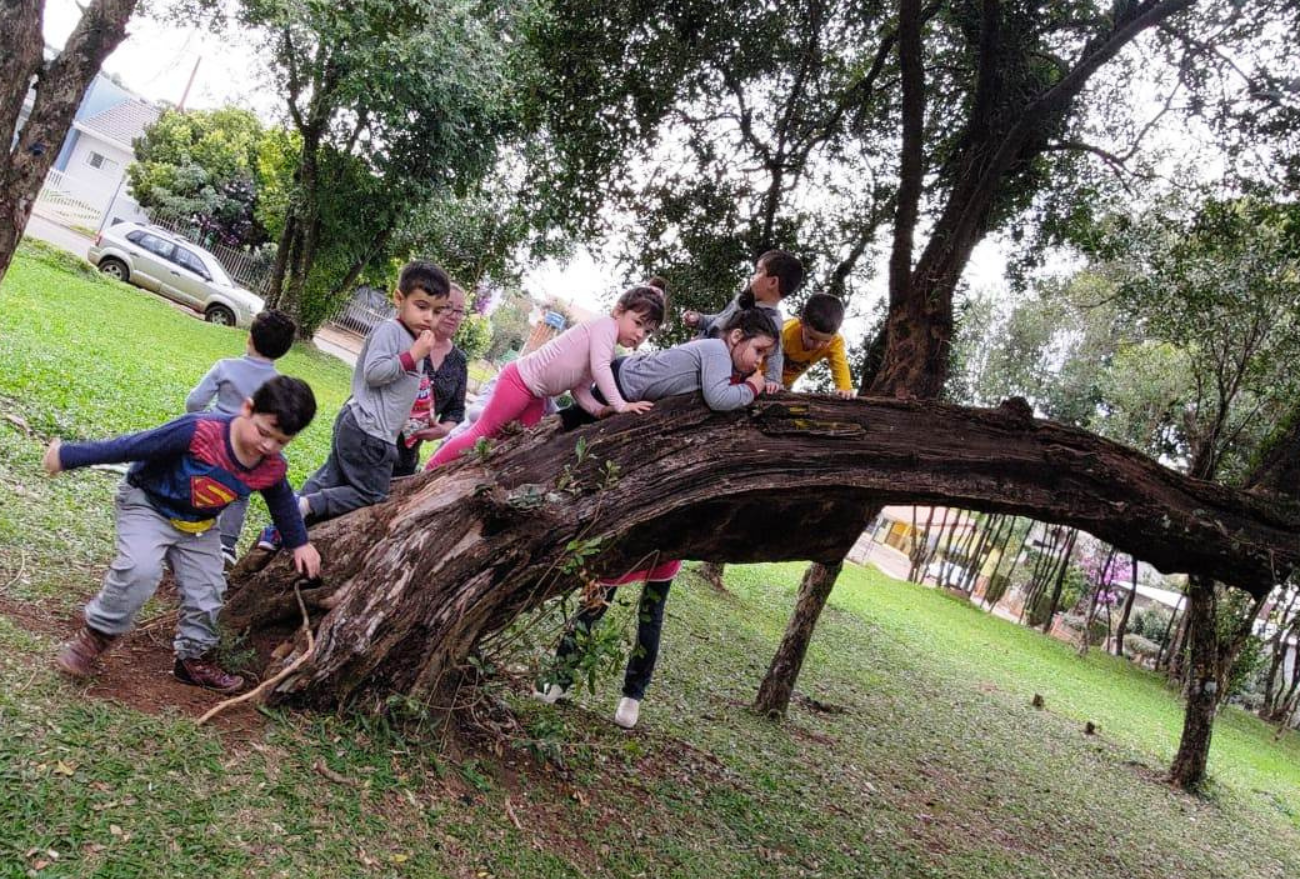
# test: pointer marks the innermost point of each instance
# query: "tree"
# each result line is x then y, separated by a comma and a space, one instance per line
410, 96
995, 114
203, 165
1200, 374
403, 604
750, 128
510, 325
58, 85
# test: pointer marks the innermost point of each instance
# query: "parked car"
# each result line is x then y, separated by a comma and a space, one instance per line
164, 263
945, 573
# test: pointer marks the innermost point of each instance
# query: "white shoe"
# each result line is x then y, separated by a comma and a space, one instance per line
552, 694
628, 712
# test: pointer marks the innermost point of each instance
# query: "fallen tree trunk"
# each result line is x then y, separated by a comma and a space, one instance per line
412, 584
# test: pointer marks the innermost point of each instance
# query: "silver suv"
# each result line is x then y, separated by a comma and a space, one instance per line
163, 263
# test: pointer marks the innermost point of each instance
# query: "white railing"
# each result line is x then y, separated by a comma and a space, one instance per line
70, 201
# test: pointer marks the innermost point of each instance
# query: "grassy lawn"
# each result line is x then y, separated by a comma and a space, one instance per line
920, 756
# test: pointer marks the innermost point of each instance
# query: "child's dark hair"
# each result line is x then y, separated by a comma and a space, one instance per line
420, 274
787, 269
823, 312
650, 300
272, 333
289, 399
751, 322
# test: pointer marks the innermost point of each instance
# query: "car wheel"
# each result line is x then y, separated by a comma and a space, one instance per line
219, 315
115, 269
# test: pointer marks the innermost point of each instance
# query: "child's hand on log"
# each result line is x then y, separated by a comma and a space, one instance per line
757, 382
846, 395
306, 561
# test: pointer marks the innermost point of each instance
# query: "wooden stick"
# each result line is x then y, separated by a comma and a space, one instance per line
270, 682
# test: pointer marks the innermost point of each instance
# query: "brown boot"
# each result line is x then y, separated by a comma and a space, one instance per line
77, 658
203, 672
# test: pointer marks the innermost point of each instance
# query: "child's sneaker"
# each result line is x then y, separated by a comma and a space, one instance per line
77, 658
228, 557
203, 672
628, 711
552, 694
270, 539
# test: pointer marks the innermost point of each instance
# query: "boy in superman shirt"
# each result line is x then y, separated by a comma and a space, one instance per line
184, 474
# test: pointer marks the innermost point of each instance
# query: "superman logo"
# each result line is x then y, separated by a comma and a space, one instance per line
207, 493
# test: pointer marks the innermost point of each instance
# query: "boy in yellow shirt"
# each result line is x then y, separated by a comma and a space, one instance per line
814, 336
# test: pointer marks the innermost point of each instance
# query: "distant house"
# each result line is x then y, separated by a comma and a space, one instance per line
900, 527
85, 185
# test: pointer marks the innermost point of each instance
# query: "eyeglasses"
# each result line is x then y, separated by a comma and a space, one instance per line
456, 311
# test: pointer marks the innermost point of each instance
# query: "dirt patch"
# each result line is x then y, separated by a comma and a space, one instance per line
137, 672
33, 618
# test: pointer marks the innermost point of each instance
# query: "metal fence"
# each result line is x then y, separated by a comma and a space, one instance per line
361, 311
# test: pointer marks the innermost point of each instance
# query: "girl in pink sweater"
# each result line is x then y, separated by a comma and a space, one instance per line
566, 364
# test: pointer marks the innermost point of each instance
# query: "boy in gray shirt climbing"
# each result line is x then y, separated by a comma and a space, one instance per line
233, 380
384, 384
777, 274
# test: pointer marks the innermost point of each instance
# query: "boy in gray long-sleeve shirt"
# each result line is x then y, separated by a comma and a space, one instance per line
236, 379
384, 384
777, 274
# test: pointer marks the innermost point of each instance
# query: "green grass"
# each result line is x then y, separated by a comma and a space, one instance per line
933, 764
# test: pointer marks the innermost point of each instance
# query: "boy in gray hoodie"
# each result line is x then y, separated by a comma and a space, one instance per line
233, 380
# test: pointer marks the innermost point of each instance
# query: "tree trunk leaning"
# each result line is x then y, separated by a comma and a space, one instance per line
774, 693
60, 86
404, 604
1201, 690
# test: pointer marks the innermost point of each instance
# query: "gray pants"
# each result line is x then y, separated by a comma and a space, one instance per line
231, 522
144, 538
357, 473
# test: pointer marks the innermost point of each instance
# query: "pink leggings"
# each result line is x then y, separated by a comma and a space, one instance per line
660, 572
510, 401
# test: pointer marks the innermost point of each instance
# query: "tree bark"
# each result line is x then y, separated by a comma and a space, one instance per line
773, 697
1201, 690
404, 604
60, 85
1064, 569
1128, 611
713, 572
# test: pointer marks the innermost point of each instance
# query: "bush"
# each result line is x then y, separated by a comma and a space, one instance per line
60, 259
1097, 632
1151, 624
474, 336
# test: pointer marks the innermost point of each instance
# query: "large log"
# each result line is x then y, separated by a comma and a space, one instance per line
412, 584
